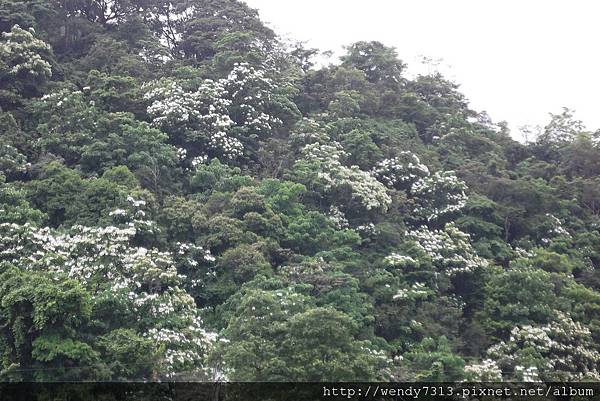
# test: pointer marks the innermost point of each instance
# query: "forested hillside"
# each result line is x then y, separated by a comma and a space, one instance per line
184, 195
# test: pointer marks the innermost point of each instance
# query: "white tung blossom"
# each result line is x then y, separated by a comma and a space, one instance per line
181, 153
486, 371
398, 260
564, 348
105, 260
401, 171
556, 229
198, 160
365, 188
416, 291
438, 195
367, 230
338, 218
20, 53
450, 250
212, 111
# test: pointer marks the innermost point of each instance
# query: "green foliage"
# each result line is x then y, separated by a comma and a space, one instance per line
41, 323
313, 232
507, 304
24, 65
378, 62
15, 208
183, 195
277, 336
123, 346
68, 199
432, 360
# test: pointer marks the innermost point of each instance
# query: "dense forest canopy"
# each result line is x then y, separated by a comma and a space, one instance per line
185, 195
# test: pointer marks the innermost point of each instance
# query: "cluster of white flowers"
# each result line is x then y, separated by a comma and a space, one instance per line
215, 108
11, 160
523, 253
566, 346
439, 194
416, 291
286, 302
398, 260
303, 271
529, 374
486, 371
204, 112
75, 112
532, 336
64, 99
229, 146
169, 106
252, 91
191, 251
384, 362
338, 218
367, 230
556, 228
134, 216
449, 249
365, 187
184, 347
369, 192
181, 153
20, 51
172, 106
105, 260
59, 97
198, 160
400, 172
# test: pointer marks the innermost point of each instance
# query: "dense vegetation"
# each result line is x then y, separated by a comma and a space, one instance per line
184, 195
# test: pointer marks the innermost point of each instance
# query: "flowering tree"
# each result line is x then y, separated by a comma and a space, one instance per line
400, 172
67, 122
486, 371
218, 117
197, 116
331, 198
12, 162
436, 195
449, 249
252, 95
71, 126
555, 230
560, 350
24, 64
326, 160
22, 54
439, 195
143, 281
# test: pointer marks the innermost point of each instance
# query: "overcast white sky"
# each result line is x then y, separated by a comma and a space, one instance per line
516, 59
